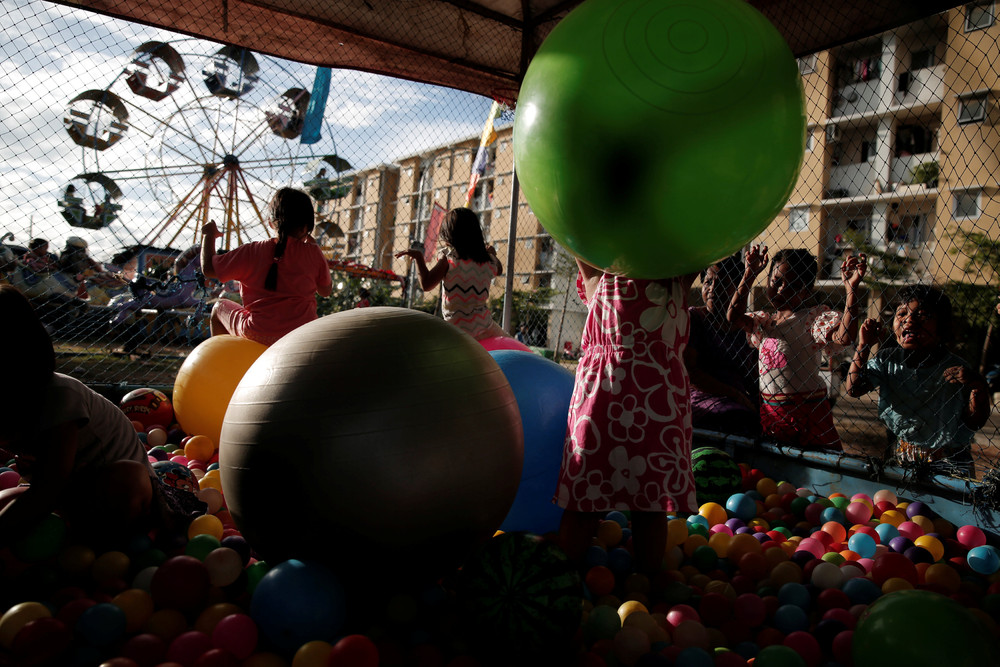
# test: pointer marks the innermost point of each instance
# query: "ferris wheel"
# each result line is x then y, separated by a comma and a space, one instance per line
188, 132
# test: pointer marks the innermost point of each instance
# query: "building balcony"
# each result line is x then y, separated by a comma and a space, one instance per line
920, 87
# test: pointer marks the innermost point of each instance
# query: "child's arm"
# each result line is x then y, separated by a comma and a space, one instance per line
856, 384
429, 278
754, 262
977, 407
591, 275
708, 384
209, 233
852, 272
494, 259
49, 475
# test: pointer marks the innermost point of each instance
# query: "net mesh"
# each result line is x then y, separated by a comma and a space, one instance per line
121, 140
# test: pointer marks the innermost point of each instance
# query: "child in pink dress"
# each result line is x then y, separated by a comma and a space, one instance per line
628, 441
793, 397
274, 301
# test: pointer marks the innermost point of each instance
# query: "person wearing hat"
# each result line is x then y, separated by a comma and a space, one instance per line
74, 259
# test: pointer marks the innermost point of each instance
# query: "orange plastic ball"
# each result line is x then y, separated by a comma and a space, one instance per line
207, 524
714, 512
199, 448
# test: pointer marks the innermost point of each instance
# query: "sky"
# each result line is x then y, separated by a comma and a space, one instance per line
51, 53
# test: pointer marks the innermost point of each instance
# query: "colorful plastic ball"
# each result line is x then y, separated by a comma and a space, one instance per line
728, 58
917, 627
970, 536
224, 566
156, 437
181, 583
858, 512
862, 544
778, 655
602, 623
176, 475
17, 616
9, 479
199, 448
148, 407
714, 513
796, 594
43, 641
188, 647
542, 389
826, 575
137, 606
237, 634
41, 541
789, 618
741, 506
910, 530
206, 524
296, 602
102, 624
862, 590
984, 559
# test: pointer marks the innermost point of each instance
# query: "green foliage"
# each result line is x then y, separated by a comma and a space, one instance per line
347, 288
973, 307
982, 253
883, 265
925, 172
529, 309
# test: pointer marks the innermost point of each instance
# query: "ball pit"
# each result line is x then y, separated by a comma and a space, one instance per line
772, 586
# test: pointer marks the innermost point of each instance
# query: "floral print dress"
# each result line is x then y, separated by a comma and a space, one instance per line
628, 440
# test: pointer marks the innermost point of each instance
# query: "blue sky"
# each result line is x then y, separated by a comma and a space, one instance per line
51, 53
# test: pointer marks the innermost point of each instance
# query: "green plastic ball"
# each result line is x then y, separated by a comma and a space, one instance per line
918, 627
654, 138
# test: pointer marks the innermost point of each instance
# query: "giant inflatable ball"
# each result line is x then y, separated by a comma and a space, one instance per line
373, 439
654, 138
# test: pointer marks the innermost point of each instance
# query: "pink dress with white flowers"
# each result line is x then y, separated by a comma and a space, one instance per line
628, 440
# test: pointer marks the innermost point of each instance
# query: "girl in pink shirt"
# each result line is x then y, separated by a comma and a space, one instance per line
278, 278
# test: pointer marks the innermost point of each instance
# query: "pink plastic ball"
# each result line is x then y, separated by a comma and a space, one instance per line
187, 647
680, 613
910, 530
858, 512
813, 546
970, 536
9, 479
236, 633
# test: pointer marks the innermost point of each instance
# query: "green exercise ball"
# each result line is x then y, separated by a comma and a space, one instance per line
654, 138
918, 627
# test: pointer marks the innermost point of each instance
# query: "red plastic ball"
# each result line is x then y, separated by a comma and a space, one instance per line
353, 651
180, 582
891, 565
146, 649
41, 641
187, 647
806, 646
148, 407
237, 634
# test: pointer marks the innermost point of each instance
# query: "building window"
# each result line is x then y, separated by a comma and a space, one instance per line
798, 219
807, 64
967, 204
978, 15
922, 59
972, 108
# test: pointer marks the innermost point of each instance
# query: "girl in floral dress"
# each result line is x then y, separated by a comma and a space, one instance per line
628, 440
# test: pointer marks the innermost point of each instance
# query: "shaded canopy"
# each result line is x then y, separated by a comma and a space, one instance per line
480, 46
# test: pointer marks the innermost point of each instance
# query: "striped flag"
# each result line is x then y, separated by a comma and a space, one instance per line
312, 126
479, 166
433, 230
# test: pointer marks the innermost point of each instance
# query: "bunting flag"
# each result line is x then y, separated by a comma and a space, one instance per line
433, 229
479, 166
312, 126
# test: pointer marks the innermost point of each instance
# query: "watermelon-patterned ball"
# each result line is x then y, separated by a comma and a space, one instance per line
716, 475
521, 595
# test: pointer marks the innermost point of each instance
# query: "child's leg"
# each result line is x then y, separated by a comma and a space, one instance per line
649, 541
223, 313
576, 531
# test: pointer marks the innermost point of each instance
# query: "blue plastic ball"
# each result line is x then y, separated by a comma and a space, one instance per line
984, 559
789, 618
102, 624
543, 390
862, 544
298, 602
861, 590
886, 531
833, 514
796, 594
617, 517
741, 506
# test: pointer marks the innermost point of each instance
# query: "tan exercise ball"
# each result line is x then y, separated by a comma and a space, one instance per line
375, 438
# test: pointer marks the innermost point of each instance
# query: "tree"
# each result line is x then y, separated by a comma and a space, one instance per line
982, 258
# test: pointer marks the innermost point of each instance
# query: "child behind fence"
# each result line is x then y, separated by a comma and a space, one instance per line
928, 397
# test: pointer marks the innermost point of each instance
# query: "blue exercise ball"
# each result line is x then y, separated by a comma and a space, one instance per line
298, 602
543, 390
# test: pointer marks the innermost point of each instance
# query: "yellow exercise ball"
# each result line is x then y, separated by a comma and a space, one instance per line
206, 381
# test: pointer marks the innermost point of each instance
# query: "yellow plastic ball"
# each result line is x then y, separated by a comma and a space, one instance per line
894, 517
137, 605
206, 524
677, 532
630, 607
932, 544
17, 617
714, 512
766, 486
312, 654
893, 584
199, 448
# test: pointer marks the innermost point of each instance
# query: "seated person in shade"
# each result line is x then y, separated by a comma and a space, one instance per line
720, 361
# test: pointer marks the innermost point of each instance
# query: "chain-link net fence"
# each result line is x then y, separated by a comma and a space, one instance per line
122, 140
